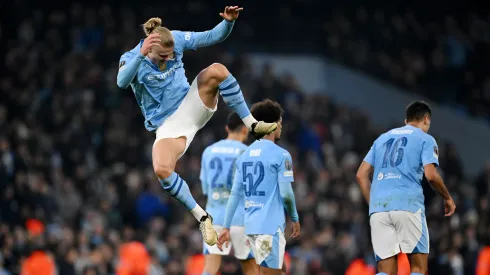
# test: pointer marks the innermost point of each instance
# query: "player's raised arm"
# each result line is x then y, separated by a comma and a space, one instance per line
194, 40
129, 64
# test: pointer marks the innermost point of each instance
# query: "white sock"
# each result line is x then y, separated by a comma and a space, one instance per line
198, 212
248, 121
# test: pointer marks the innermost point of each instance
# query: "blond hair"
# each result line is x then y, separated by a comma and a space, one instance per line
154, 25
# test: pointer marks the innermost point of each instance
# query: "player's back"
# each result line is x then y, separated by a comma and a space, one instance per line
258, 168
217, 170
399, 157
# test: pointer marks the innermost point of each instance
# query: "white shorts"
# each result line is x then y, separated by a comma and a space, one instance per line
398, 231
269, 249
239, 242
189, 118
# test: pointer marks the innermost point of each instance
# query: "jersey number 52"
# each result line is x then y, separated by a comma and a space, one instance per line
253, 178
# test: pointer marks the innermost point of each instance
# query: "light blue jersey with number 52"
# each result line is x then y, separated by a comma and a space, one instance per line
259, 172
398, 157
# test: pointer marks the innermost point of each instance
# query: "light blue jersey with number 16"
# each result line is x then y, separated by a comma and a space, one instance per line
398, 157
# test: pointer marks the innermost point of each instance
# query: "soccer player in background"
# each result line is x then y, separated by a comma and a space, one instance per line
263, 177
398, 160
217, 169
175, 110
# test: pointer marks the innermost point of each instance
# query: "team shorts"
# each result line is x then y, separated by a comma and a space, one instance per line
399, 231
269, 249
189, 118
239, 242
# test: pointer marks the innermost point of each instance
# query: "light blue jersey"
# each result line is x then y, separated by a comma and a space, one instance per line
263, 177
217, 169
398, 157
159, 93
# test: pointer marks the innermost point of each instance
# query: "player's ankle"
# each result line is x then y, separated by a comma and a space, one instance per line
249, 121
199, 213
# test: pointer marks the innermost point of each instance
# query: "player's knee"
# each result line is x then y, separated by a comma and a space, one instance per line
163, 171
218, 71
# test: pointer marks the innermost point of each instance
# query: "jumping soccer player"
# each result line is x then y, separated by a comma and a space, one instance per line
176, 110
264, 173
217, 168
397, 160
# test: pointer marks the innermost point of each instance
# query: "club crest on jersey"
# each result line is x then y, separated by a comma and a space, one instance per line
122, 63
436, 152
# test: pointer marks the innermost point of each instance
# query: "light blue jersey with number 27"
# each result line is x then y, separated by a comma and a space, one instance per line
217, 169
398, 157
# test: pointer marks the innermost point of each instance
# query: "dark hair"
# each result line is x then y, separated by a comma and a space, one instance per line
234, 122
267, 111
417, 110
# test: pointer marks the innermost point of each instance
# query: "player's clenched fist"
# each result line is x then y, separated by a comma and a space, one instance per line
152, 40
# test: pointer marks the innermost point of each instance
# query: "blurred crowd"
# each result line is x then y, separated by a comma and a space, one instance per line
75, 159
435, 54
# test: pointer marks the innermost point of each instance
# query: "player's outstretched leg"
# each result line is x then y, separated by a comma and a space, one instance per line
217, 78
165, 154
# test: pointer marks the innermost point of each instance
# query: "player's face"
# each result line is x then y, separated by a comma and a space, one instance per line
278, 130
161, 53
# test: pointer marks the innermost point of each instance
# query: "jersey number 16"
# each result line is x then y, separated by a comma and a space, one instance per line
394, 152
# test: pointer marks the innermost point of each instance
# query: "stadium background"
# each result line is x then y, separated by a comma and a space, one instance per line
75, 166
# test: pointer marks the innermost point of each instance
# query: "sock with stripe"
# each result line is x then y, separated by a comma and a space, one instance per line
178, 188
415, 273
206, 274
381, 273
233, 97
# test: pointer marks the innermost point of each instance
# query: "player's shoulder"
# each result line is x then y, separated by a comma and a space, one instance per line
210, 147
278, 153
133, 52
283, 152
180, 38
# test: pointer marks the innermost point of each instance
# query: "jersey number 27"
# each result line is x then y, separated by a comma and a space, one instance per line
394, 152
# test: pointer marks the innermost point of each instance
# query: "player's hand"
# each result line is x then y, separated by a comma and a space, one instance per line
150, 41
224, 238
449, 207
296, 230
231, 13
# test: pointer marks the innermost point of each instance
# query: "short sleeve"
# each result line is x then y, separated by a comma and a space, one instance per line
285, 169
369, 158
430, 151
